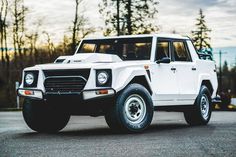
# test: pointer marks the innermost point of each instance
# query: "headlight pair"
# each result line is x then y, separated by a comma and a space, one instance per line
103, 78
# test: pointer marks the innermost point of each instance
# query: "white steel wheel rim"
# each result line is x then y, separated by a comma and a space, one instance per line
134, 109
204, 106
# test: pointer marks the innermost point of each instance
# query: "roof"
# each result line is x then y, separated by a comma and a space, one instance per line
174, 36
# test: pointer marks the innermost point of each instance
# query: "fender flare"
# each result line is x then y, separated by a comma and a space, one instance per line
132, 75
204, 78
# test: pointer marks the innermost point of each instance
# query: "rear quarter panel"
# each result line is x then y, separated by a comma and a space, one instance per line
207, 71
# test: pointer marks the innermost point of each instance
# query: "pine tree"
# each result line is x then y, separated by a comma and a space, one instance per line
135, 16
225, 67
200, 36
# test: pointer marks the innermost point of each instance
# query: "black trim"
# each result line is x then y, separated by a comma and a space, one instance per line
35, 73
64, 85
67, 72
177, 108
109, 82
149, 75
59, 60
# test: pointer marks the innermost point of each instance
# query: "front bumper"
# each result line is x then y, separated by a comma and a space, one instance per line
85, 94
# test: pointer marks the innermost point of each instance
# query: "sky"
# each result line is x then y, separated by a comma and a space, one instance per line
57, 17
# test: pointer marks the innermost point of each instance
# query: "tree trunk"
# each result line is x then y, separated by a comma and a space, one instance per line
74, 31
118, 17
128, 18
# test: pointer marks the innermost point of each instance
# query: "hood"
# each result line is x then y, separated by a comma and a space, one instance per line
85, 61
88, 58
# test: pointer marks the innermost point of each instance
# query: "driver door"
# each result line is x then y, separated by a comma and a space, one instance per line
164, 80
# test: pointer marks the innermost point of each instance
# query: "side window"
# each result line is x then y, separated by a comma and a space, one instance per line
162, 49
180, 52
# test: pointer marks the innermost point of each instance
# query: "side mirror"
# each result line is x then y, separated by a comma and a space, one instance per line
163, 60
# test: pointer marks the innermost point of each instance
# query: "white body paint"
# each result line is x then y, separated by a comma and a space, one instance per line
179, 87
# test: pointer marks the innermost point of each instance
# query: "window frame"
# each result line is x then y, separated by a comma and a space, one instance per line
169, 47
185, 46
132, 39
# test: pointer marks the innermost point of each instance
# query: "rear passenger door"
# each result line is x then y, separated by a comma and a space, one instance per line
186, 72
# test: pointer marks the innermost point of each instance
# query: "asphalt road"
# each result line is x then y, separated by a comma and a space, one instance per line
169, 135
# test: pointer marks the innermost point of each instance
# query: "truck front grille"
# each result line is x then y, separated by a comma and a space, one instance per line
64, 85
67, 72
65, 81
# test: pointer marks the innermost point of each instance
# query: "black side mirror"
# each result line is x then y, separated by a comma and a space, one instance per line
163, 60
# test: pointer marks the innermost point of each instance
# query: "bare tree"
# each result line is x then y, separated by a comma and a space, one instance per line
19, 28
50, 45
3, 32
4, 48
31, 40
75, 24
80, 27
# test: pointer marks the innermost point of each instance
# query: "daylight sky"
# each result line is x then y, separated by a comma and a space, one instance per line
176, 15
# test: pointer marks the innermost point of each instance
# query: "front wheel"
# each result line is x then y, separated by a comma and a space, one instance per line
201, 112
41, 116
132, 111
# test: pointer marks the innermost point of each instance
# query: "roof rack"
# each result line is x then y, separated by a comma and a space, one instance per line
205, 56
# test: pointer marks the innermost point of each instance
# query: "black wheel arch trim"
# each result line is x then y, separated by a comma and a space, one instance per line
142, 80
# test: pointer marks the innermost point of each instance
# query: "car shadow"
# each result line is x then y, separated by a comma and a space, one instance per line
105, 131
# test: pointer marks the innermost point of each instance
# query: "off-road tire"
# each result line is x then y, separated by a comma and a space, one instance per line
135, 98
197, 116
43, 117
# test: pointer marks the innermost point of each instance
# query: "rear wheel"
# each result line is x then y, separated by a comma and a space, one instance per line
40, 116
133, 110
201, 112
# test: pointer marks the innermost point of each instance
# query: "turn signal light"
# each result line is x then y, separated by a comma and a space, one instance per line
146, 67
29, 92
102, 92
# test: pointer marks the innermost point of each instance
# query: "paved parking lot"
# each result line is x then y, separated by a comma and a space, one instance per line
169, 135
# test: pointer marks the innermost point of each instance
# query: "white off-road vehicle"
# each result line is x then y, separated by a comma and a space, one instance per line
122, 78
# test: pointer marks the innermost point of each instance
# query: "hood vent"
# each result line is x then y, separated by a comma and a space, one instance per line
59, 60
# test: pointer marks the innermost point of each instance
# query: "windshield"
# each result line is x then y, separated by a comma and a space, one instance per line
125, 48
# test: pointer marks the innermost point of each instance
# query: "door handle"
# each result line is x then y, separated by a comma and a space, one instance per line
173, 69
193, 68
